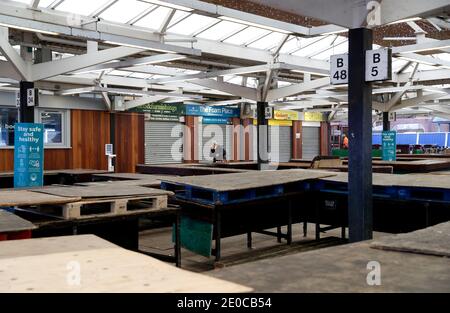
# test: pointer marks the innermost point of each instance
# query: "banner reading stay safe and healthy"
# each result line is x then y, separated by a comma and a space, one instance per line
389, 145
28, 155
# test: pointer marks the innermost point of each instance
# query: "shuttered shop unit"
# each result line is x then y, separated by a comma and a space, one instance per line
163, 142
208, 135
310, 142
280, 145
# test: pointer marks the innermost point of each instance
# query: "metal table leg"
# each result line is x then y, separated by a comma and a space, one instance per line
218, 232
289, 225
249, 239
177, 241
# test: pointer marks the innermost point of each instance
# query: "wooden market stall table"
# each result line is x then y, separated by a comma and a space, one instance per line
44, 265
64, 176
13, 227
401, 203
219, 206
111, 212
184, 169
412, 262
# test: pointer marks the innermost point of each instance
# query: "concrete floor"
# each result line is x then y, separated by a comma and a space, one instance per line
234, 249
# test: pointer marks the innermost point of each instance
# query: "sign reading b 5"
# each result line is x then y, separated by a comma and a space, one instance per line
378, 65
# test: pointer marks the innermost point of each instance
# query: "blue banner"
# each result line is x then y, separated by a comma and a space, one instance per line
389, 145
28, 155
219, 111
216, 120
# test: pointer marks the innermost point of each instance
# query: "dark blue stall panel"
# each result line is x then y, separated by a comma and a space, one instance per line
376, 139
448, 140
406, 139
432, 139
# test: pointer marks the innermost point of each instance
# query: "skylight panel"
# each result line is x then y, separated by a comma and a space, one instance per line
80, 7
246, 35
221, 30
178, 16
191, 24
154, 19
124, 10
268, 41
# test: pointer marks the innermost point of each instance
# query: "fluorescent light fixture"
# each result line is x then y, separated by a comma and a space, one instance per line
416, 61
29, 29
427, 49
312, 73
335, 32
232, 19
411, 19
169, 5
137, 46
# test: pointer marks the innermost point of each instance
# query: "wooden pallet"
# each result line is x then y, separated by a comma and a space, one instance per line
90, 208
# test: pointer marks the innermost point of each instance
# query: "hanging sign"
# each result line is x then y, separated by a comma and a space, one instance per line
378, 66
28, 155
389, 145
205, 110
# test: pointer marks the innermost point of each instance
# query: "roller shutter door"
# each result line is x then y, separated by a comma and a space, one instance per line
310, 142
222, 137
163, 142
282, 151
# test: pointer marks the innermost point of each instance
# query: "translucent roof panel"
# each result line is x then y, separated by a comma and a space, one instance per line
154, 19
397, 64
42, 3
442, 56
268, 42
221, 30
247, 35
140, 75
178, 16
319, 45
81, 7
340, 45
124, 10
303, 43
120, 73
291, 45
191, 24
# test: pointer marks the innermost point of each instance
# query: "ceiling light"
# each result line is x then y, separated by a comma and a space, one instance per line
312, 73
169, 5
137, 46
416, 61
29, 29
335, 32
232, 19
411, 19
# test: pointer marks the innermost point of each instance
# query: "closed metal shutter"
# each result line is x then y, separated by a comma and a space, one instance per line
163, 142
310, 142
280, 145
222, 137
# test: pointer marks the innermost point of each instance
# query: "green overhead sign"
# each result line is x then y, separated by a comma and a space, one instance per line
162, 111
389, 145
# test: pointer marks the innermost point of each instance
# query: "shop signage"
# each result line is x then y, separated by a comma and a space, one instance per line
389, 145
314, 117
276, 123
216, 120
162, 111
28, 155
286, 115
205, 110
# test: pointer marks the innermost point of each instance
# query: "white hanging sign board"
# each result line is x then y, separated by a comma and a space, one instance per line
339, 69
378, 65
